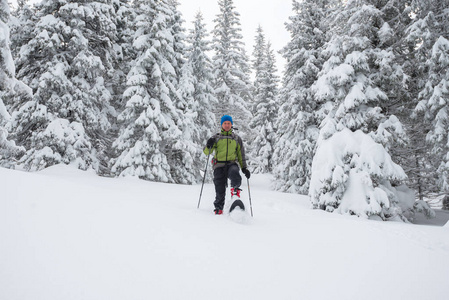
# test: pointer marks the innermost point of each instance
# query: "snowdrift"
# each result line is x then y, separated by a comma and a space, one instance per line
69, 234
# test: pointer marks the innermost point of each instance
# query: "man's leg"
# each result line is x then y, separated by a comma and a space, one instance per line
220, 187
234, 175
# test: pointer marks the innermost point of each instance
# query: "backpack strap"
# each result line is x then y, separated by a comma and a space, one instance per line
235, 137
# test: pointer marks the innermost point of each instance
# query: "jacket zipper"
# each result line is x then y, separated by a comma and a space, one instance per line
227, 146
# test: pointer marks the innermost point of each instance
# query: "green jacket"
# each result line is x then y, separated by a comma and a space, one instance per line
228, 148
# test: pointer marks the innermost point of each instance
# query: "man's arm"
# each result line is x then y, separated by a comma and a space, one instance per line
210, 145
241, 153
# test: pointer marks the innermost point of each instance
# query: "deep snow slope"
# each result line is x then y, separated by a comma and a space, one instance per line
68, 234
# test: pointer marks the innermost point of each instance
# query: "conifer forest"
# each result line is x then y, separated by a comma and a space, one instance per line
123, 88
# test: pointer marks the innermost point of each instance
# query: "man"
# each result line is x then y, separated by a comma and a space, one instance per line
229, 150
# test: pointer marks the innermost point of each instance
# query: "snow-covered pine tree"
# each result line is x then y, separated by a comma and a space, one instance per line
434, 103
297, 125
187, 125
202, 79
347, 83
428, 39
265, 106
124, 52
151, 143
258, 61
354, 98
397, 77
21, 24
67, 61
9, 88
183, 153
231, 68
7, 69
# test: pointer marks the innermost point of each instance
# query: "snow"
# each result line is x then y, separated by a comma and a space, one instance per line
385, 33
441, 45
69, 234
4, 115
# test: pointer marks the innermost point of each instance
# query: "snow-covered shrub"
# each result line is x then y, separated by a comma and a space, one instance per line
352, 174
61, 142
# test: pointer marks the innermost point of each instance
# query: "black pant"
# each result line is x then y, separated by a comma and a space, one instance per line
221, 176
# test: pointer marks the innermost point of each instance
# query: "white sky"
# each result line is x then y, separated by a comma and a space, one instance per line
271, 15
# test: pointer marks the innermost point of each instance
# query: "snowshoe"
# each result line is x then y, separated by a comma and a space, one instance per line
237, 203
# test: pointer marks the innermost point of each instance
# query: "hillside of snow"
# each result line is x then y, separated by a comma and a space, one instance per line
68, 234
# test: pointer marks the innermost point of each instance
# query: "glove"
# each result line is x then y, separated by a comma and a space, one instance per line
246, 172
210, 143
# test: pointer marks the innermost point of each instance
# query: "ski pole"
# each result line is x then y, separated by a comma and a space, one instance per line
249, 194
204, 178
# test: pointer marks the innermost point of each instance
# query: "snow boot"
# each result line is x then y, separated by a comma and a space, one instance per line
235, 194
218, 211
